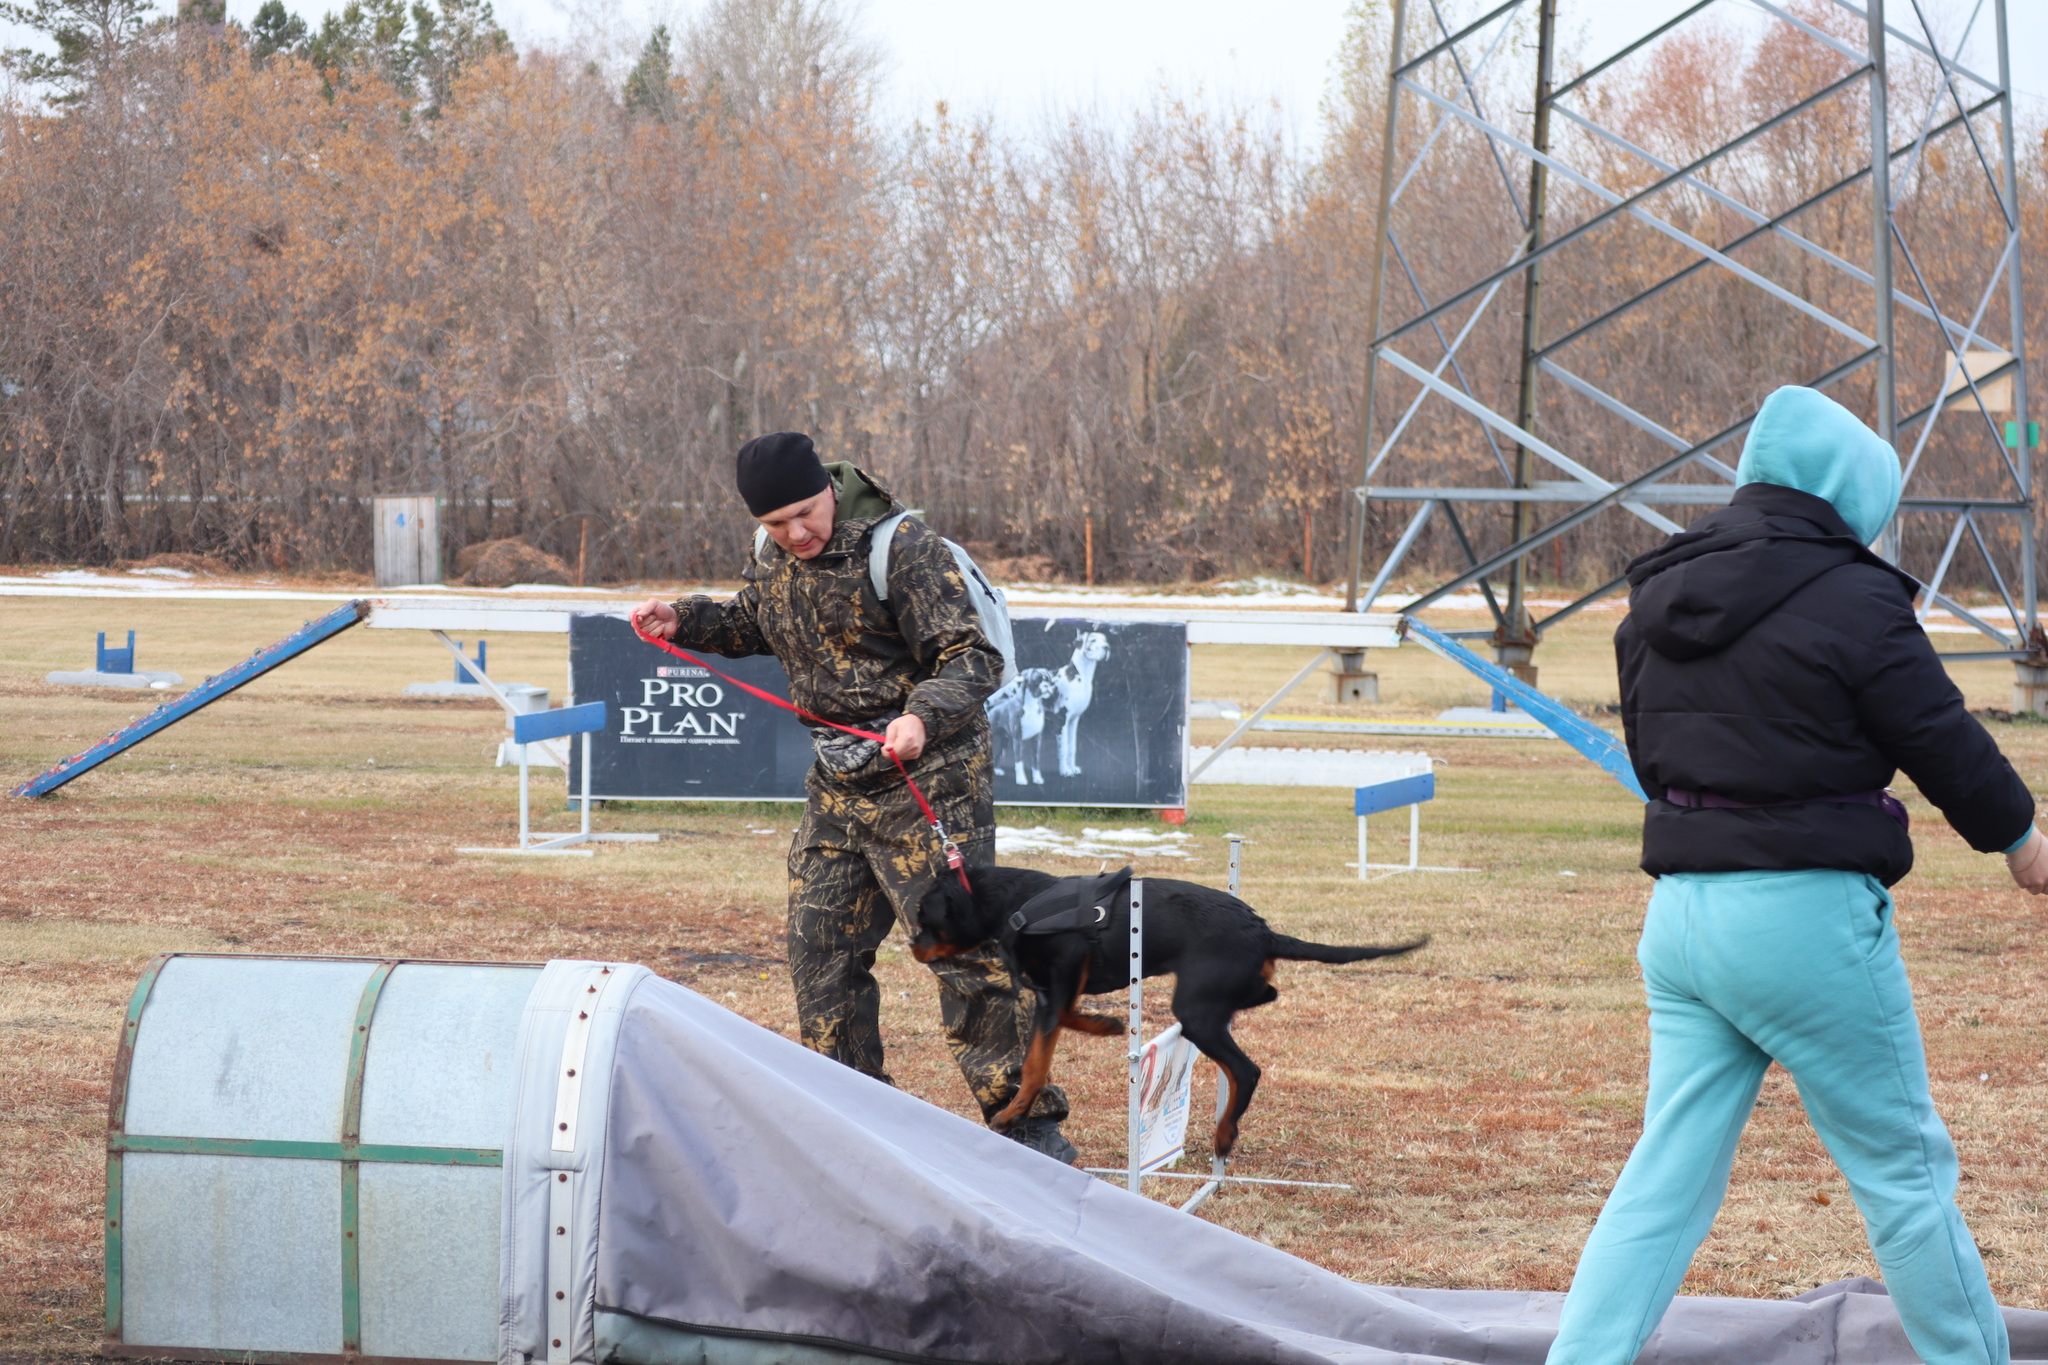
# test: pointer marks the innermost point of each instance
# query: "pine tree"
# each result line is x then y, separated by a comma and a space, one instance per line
464, 32
90, 36
419, 52
275, 29
647, 88
366, 37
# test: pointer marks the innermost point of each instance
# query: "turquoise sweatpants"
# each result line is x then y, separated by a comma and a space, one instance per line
1744, 968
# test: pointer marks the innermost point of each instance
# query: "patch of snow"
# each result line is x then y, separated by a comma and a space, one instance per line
1134, 836
1112, 597
466, 590
1092, 843
1940, 622
166, 571
1264, 583
1457, 601
86, 578
1256, 592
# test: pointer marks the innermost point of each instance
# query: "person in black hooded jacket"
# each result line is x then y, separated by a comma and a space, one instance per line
1773, 681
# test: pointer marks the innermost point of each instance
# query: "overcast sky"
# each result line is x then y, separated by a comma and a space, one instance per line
1024, 59
1021, 60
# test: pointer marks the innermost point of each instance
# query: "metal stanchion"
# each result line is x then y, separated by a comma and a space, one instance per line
1219, 1167
1135, 1035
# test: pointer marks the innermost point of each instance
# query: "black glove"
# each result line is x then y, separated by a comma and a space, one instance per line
843, 753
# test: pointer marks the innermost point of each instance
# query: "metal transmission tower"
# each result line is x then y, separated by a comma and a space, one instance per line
1596, 234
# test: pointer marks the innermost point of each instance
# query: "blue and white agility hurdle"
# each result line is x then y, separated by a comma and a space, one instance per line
532, 728
1393, 793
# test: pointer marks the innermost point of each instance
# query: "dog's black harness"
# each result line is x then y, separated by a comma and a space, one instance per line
1076, 903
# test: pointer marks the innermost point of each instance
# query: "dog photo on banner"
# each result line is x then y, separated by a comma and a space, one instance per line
1096, 714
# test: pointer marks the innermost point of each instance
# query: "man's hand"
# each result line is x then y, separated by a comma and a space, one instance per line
2029, 864
905, 738
657, 618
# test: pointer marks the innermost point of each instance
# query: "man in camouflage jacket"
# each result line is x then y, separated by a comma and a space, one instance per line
918, 669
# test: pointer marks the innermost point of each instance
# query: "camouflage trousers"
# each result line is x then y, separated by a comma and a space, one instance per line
863, 859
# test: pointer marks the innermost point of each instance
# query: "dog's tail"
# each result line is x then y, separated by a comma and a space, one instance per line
1301, 950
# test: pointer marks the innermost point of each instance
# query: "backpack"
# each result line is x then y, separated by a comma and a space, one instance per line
989, 602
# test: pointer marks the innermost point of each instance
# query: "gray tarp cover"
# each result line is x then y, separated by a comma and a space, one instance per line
754, 1189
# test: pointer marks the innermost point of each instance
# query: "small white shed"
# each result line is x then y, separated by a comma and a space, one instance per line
408, 540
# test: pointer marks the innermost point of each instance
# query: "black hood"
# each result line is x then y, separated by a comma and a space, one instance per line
1701, 590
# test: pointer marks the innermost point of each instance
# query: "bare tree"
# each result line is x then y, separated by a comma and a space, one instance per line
248, 282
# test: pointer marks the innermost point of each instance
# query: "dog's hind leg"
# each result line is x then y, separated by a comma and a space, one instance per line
1209, 1030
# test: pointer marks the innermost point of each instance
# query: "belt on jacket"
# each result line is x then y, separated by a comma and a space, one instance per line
1883, 800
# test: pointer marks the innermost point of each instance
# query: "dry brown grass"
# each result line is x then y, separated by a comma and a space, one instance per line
1480, 1095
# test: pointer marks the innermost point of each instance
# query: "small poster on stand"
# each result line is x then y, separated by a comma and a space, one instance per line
1166, 1082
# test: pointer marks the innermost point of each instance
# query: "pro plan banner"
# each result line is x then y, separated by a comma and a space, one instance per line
677, 733
1096, 717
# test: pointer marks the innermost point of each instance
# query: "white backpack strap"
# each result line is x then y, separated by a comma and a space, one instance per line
879, 541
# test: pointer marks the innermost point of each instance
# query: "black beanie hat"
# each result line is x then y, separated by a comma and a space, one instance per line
779, 469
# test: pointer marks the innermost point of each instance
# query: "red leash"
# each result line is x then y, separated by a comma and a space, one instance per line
952, 850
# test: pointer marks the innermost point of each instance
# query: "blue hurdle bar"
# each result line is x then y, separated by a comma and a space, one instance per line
208, 692
533, 727
1392, 795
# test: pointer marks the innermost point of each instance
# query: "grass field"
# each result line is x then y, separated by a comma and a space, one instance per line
1480, 1095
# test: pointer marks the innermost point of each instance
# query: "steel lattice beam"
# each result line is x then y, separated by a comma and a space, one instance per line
1443, 78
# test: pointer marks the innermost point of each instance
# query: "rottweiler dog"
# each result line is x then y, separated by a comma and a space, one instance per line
1069, 937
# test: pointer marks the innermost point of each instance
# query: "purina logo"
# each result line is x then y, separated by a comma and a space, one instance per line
681, 673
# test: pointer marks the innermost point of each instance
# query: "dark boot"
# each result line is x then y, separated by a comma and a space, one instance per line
1044, 1136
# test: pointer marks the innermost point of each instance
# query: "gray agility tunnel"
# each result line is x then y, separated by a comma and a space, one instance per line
333, 1159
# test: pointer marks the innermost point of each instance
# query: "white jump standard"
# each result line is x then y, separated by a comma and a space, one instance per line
1392, 794
1136, 1167
544, 725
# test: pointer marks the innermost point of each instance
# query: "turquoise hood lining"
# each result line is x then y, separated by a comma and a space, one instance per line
1805, 440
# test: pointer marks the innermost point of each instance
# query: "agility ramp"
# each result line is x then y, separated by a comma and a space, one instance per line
208, 692
1593, 743
324, 1160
